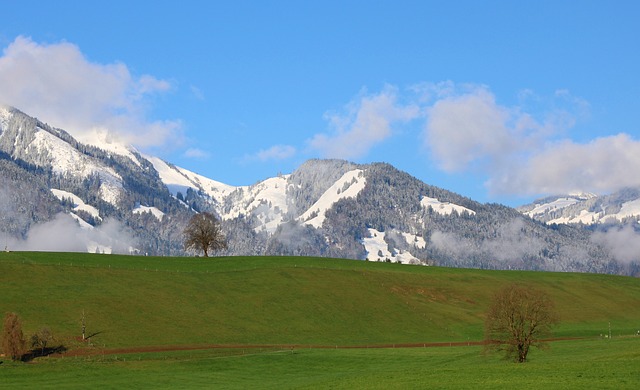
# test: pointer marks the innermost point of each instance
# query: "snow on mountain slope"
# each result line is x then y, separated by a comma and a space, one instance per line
378, 250
4, 118
65, 159
414, 240
146, 209
629, 209
267, 201
584, 217
83, 225
557, 204
277, 216
444, 208
179, 180
348, 186
102, 139
78, 204
215, 189
171, 177
585, 209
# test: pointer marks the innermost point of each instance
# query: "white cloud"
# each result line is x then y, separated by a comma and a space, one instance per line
467, 129
64, 234
464, 129
603, 165
276, 152
367, 122
624, 243
524, 152
58, 84
197, 92
196, 153
509, 245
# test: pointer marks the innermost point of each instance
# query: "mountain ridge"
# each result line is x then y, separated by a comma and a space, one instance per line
620, 207
330, 208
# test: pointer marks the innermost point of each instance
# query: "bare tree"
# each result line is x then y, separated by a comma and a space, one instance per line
13, 343
42, 339
203, 233
518, 318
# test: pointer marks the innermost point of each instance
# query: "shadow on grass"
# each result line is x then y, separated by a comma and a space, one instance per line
42, 352
94, 334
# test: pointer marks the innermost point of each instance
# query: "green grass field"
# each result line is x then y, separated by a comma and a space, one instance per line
576, 364
132, 302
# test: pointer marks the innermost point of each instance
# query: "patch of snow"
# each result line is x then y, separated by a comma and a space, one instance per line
557, 204
5, 115
146, 209
348, 186
444, 208
179, 180
586, 217
417, 241
376, 247
629, 209
267, 201
66, 159
81, 222
215, 189
378, 250
78, 204
405, 257
172, 178
582, 195
110, 192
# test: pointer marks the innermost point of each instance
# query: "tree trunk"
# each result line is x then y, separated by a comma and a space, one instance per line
522, 353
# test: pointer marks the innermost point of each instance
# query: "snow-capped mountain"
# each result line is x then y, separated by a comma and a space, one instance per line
179, 180
108, 197
46, 173
587, 209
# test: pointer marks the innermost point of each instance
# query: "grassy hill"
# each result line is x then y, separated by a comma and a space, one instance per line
142, 301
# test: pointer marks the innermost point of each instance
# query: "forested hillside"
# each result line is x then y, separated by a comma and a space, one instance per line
123, 201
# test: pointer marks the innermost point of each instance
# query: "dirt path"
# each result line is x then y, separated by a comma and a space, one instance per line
170, 348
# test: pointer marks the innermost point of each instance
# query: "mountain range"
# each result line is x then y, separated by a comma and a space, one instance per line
61, 194
587, 209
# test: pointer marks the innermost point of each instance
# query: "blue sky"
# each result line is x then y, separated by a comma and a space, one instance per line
501, 101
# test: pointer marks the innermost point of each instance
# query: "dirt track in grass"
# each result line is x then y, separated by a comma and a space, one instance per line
170, 348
